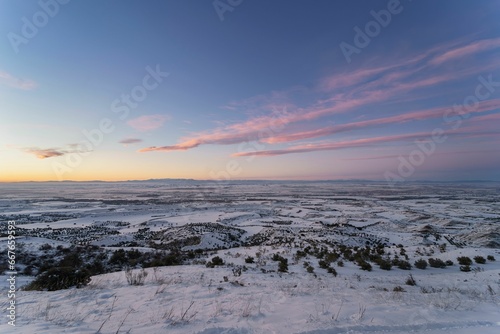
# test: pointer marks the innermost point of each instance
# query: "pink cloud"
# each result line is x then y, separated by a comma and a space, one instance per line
45, 153
148, 122
333, 145
261, 128
345, 80
407, 117
364, 142
446, 51
393, 156
361, 88
476, 47
178, 147
11, 81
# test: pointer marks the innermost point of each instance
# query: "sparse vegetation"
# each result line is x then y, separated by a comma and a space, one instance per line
326, 249
135, 278
465, 268
410, 280
249, 259
60, 278
216, 261
323, 264
436, 263
283, 265
332, 271
479, 259
404, 265
464, 260
385, 265
365, 266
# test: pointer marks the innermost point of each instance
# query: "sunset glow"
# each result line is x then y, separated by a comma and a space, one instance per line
270, 90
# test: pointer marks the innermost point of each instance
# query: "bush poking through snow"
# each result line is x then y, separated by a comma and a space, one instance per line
398, 289
283, 266
60, 278
464, 260
465, 268
421, 264
237, 271
283, 263
404, 265
365, 266
490, 258
136, 278
45, 247
479, 259
332, 271
323, 264
437, 263
385, 265
216, 261
410, 280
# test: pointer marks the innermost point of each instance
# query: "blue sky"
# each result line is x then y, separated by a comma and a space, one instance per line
267, 92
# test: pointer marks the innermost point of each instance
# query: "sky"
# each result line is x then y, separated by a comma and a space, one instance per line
239, 89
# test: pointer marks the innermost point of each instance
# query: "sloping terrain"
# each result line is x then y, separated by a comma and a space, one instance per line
257, 257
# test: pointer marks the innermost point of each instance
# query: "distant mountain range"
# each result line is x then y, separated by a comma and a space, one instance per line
174, 180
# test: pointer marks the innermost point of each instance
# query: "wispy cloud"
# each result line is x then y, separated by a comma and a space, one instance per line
482, 106
230, 134
11, 81
348, 92
473, 48
364, 142
45, 153
345, 80
395, 156
148, 122
329, 146
41, 153
128, 141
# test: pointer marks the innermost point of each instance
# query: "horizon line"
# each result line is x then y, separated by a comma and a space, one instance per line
255, 180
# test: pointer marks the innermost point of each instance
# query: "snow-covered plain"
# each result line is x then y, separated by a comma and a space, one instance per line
258, 219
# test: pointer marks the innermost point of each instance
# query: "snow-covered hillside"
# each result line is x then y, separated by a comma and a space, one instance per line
292, 257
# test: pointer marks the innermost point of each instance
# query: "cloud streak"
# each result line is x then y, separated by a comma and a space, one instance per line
364, 142
128, 141
467, 50
46, 153
9, 80
482, 106
348, 93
